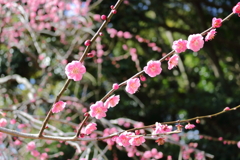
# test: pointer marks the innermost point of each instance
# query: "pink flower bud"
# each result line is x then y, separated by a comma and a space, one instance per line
90, 55
87, 42
103, 17
142, 78
226, 109
197, 121
112, 6
114, 11
115, 86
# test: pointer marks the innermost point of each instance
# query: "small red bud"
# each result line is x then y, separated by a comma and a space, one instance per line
87, 42
46, 127
112, 6
137, 132
90, 55
142, 78
226, 109
103, 17
81, 135
86, 114
197, 121
100, 34
115, 86
114, 11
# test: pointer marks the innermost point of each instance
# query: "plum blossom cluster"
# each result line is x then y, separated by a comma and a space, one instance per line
31, 147
153, 154
99, 109
128, 138
159, 128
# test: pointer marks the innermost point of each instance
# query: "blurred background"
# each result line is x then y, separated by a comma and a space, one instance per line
38, 39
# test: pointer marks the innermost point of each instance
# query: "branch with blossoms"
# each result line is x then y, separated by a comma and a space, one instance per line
124, 138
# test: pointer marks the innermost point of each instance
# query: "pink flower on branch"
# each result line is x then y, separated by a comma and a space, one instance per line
98, 110
189, 126
123, 138
133, 85
179, 46
153, 68
195, 42
137, 140
159, 128
90, 128
75, 70
112, 101
216, 22
210, 35
236, 9
173, 61
58, 107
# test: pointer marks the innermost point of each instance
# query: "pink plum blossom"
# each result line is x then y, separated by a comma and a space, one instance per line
31, 146
216, 22
58, 107
173, 61
189, 126
90, 128
137, 140
98, 110
112, 101
75, 70
195, 42
179, 46
3, 122
133, 85
123, 138
159, 128
236, 9
153, 68
210, 35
